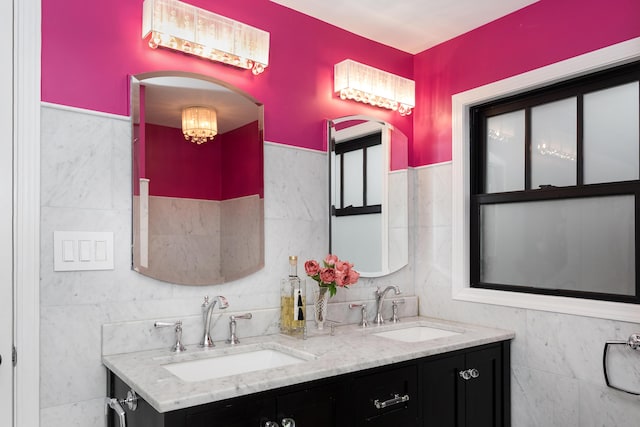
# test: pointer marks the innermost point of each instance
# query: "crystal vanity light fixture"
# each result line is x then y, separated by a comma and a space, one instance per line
369, 85
189, 29
199, 124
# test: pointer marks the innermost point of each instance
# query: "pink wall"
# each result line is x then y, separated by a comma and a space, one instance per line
179, 168
90, 48
541, 34
399, 151
242, 168
228, 167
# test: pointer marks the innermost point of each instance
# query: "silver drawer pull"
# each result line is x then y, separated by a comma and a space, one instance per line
110, 402
397, 399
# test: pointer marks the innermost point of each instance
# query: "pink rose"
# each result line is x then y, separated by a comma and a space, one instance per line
342, 266
330, 260
312, 268
353, 277
327, 275
342, 278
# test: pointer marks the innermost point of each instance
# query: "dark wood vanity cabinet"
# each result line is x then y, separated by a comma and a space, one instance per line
427, 392
470, 388
319, 403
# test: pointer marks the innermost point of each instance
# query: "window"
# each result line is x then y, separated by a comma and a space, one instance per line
555, 189
358, 176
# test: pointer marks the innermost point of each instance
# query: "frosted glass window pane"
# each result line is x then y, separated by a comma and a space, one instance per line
505, 152
358, 238
374, 175
554, 143
582, 244
611, 134
353, 185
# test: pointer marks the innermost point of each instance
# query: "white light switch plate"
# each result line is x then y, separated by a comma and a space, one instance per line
82, 250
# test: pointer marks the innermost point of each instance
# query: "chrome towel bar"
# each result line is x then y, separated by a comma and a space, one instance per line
633, 342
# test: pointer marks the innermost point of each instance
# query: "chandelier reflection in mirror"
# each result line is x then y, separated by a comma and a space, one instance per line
199, 124
179, 26
362, 83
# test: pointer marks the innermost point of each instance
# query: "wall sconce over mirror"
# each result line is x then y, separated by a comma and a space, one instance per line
362, 83
368, 171
198, 209
179, 26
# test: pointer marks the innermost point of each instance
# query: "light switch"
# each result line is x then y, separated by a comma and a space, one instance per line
101, 250
85, 250
82, 250
67, 251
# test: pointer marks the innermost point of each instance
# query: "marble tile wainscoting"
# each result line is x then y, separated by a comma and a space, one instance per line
556, 359
86, 186
557, 379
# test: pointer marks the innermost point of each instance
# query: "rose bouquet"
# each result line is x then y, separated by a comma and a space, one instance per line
332, 273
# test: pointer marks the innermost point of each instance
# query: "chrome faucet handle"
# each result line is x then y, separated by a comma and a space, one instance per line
363, 309
233, 338
178, 347
394, 308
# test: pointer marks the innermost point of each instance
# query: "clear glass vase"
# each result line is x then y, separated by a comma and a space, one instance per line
320, 306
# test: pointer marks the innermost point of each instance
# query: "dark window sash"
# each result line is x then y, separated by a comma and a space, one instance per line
356, 210
478, 132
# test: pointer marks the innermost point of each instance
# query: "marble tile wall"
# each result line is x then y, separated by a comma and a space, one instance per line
86, 186
171, 243
229, 241
242, 246
557, 376
556, 359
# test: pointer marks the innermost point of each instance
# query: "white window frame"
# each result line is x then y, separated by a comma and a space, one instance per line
610, 56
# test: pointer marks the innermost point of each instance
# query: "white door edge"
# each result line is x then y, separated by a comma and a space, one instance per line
26, 150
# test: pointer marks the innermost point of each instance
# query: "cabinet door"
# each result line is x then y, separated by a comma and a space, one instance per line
450, 400
484, 394
240, 412
387, 398
316, 406
443, 392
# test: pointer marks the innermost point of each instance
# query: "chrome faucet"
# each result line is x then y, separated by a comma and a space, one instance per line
233, 338
380, 295
207, 309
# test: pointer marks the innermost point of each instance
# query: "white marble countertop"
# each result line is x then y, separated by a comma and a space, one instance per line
351, 349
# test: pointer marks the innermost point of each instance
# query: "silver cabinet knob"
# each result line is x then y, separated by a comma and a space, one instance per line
465, 375
468, 374
288, 422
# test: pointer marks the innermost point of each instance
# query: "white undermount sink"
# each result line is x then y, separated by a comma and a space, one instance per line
416, 334
232, 364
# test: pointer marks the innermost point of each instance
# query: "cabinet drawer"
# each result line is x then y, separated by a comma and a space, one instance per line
386, 398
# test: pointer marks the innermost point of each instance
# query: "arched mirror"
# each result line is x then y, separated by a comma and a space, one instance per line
198, 205
368, 169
